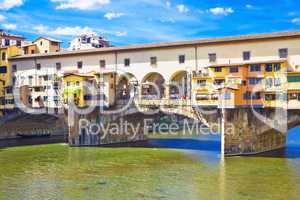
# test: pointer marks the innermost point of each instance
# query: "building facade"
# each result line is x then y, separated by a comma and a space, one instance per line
45, 45
8, 39
249, 69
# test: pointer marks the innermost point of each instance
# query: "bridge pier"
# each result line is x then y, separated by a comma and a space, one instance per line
246, 134
97, 129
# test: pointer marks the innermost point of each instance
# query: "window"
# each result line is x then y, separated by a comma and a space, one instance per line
256, 95
46, 78
58, 66
255, 68
277, 67
77, 83
19, 43
153, 60
46, 51
226, 96
87, 97
246, 55
219, 81
218, 69
283, 53
6, 42
233, 69
79, 65
41, 43
269, 82
3, 56
14, 68
9, 90
202, 97
212, 57
55, 85
277, 82
32, 51
3, 70
38, 66
45, 98
182, 59
102, 63
247, 95
255, 81
127, 62
201, 83
269, 68
270, 97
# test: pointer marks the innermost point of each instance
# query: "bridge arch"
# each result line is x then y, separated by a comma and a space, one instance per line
124, 84
178, 85
153, 86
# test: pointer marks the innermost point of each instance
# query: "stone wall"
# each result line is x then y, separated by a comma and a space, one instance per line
96, 129
33, 125
251, 135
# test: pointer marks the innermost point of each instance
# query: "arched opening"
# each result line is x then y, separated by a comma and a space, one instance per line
153, 86
125, 84
179, 85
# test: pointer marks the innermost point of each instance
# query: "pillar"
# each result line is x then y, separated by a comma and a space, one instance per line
244, 134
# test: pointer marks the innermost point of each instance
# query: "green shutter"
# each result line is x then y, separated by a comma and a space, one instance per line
293, 79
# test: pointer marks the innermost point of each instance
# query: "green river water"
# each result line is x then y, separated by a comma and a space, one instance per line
59, 172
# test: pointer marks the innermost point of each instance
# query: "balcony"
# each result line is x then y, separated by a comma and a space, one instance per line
200, 74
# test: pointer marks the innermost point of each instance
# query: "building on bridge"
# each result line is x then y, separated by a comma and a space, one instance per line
243, 62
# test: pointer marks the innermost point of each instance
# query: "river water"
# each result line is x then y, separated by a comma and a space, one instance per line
193, 171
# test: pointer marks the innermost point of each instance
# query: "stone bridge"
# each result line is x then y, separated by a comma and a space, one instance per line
244, 131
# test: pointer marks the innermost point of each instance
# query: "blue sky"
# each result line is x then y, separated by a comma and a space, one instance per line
142, 21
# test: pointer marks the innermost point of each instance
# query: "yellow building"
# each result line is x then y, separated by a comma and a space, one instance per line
75, 89
46, 45
257, 84
30, 49
6, 79
293, 80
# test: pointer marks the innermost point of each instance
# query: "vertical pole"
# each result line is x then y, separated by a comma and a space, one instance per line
223, 121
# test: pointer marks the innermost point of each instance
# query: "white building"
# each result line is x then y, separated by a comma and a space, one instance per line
88, 42
8, 39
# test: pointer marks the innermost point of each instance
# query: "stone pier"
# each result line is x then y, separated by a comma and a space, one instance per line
247, 133
97, 129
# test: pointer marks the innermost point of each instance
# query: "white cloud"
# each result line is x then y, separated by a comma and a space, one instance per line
74, 31
168, 4
10, 26
120, 33
249, 6
296, 20
112, 15
182, 8
80, 4
63, 31
2, 18
8, 4
221, 11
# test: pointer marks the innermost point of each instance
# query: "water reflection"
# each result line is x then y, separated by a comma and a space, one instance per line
189, 168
